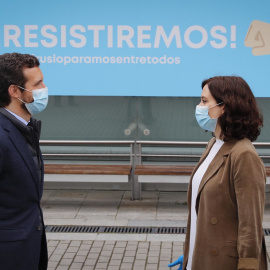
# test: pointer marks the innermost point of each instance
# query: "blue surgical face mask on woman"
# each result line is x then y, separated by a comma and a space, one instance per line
40, 102
203, 118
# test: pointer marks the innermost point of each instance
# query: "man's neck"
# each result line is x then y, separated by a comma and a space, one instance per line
19, 111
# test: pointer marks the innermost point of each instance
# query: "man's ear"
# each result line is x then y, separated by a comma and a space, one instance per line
13, 91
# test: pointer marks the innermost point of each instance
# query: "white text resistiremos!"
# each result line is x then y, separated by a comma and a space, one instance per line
120, 36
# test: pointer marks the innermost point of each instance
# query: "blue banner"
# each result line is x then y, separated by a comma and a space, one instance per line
140, 47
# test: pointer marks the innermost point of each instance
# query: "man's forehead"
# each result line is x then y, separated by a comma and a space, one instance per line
32, 73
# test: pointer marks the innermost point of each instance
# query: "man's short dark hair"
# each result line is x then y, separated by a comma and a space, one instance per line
11, 72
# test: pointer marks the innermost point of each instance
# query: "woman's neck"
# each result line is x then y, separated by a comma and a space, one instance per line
218, 132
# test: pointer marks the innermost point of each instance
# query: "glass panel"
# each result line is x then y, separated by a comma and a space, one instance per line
87, 118
129, 118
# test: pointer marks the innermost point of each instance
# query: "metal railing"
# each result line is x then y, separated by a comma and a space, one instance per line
202, 145
86, 143
136, 154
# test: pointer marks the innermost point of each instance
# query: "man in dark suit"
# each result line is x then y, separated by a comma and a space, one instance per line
22, 93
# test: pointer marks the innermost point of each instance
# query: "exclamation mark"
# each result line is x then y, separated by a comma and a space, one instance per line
233, 36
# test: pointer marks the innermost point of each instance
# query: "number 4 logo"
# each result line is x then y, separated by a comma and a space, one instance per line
258, 38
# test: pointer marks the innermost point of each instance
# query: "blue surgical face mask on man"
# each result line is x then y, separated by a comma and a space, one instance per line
203, 118
40, 102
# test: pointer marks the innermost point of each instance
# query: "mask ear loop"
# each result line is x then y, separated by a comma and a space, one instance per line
22, 101
24, 89
216, 105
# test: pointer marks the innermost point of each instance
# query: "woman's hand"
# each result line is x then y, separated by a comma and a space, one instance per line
178, 261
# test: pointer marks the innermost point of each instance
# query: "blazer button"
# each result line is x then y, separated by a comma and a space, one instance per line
214, 220
214, 252
39, 227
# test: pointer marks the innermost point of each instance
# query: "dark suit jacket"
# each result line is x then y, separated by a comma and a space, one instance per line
22, 235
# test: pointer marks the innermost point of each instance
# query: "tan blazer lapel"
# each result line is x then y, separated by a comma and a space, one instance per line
216, 163
204, 155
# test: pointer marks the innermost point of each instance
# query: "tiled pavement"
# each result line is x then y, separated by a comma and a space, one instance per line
113, 255
114, 208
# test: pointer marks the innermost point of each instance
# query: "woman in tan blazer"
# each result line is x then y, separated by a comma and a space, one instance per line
227, 187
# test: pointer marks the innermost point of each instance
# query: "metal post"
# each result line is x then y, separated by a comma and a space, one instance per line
136, 186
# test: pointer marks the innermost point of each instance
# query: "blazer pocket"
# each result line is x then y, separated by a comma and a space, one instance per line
12, 235
232, 249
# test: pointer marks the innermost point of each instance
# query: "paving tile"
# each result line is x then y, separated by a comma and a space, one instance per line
69, 255
72, 249
59, 251
128, 259
103, 259
151, 266
52, 264
75, 243
62, 245
66, 261
108, 247
85, 247
139, 262
79, 259
114, 267
133, 243
131, 248
115, 262
130, 253
95, 249
53, 243
105, 253
142, 251
120, 244
92, 255
120, 250
117, 256
90, 262
98, 244
62, 267
153, 253
141, 256
88, 267
151, 259
82, 252
55, 258
126, 266
101, 265
76, 265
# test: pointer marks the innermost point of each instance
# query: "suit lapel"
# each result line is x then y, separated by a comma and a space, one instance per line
21, 146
